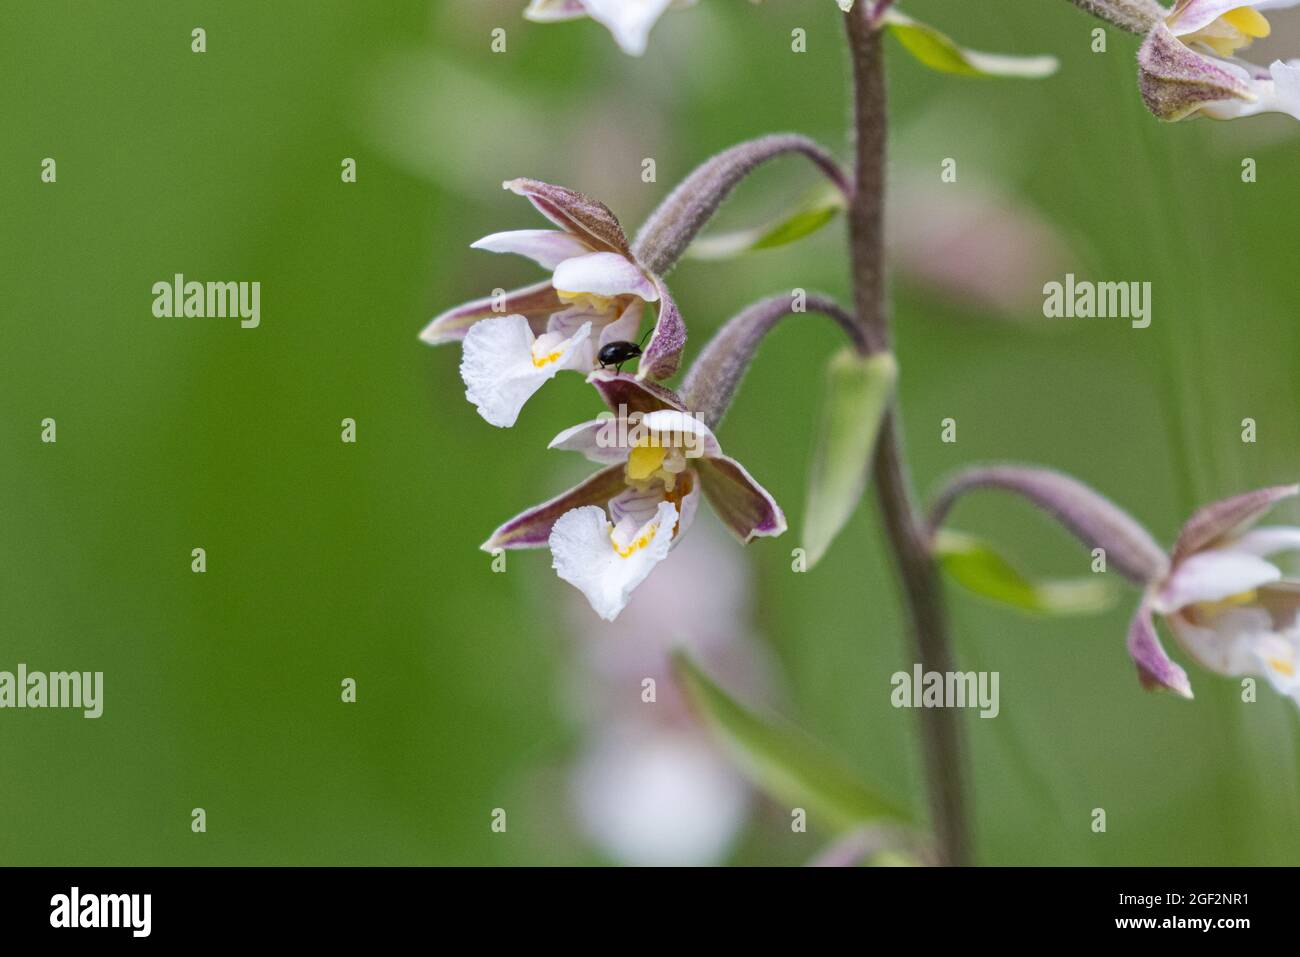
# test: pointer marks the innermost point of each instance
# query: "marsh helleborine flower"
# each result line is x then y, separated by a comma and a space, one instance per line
1229, 606
630, 21
1188, 64
1226, 603
608, 533
597, 294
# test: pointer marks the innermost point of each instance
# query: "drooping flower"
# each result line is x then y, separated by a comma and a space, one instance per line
1225, 602
1231, 608
630, 21
607, 534
597, 294
1188, 64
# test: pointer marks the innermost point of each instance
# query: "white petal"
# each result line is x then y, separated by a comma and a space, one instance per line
1244, 641
1276, 657
597, 440
629, 21
1267, 540
567, 320
584, 554
546, 247
1226, 643
499, 369
640, 505
545, 11
1285, 94
604, 274
623, 329
1214, 575
1198, 14
690, 505
1279, 92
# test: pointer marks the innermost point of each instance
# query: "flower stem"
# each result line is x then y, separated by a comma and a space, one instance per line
905, 527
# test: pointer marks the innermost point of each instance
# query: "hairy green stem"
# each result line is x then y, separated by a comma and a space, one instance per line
905, 526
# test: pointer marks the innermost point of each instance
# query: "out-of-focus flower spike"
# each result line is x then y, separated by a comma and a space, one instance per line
1092, 518
679, 218
713, 378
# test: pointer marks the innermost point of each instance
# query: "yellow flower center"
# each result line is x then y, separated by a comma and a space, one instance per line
638, 543
1233, 30
1208, 609
1249, 21
644, 460
543, 361
588, 300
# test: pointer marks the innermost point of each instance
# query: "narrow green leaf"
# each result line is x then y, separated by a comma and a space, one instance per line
806, 218
938, 51
783, 761
859, 390
973, 564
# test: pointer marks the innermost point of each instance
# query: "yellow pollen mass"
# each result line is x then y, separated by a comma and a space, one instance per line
644, 460
640, 542
1233, 30
1211, 608
590, 300
1248, 20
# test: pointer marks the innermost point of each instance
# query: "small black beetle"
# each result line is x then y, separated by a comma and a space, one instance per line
616, 353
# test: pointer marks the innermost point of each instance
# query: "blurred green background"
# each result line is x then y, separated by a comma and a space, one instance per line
328, 560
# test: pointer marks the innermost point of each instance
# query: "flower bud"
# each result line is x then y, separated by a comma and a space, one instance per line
1175, 81
680, 217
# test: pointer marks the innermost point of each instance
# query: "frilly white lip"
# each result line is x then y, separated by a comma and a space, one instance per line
606, 562
504, 364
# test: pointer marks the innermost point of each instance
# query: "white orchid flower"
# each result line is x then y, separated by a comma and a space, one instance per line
1224, 600
1227, 604
607, 534
597, 294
